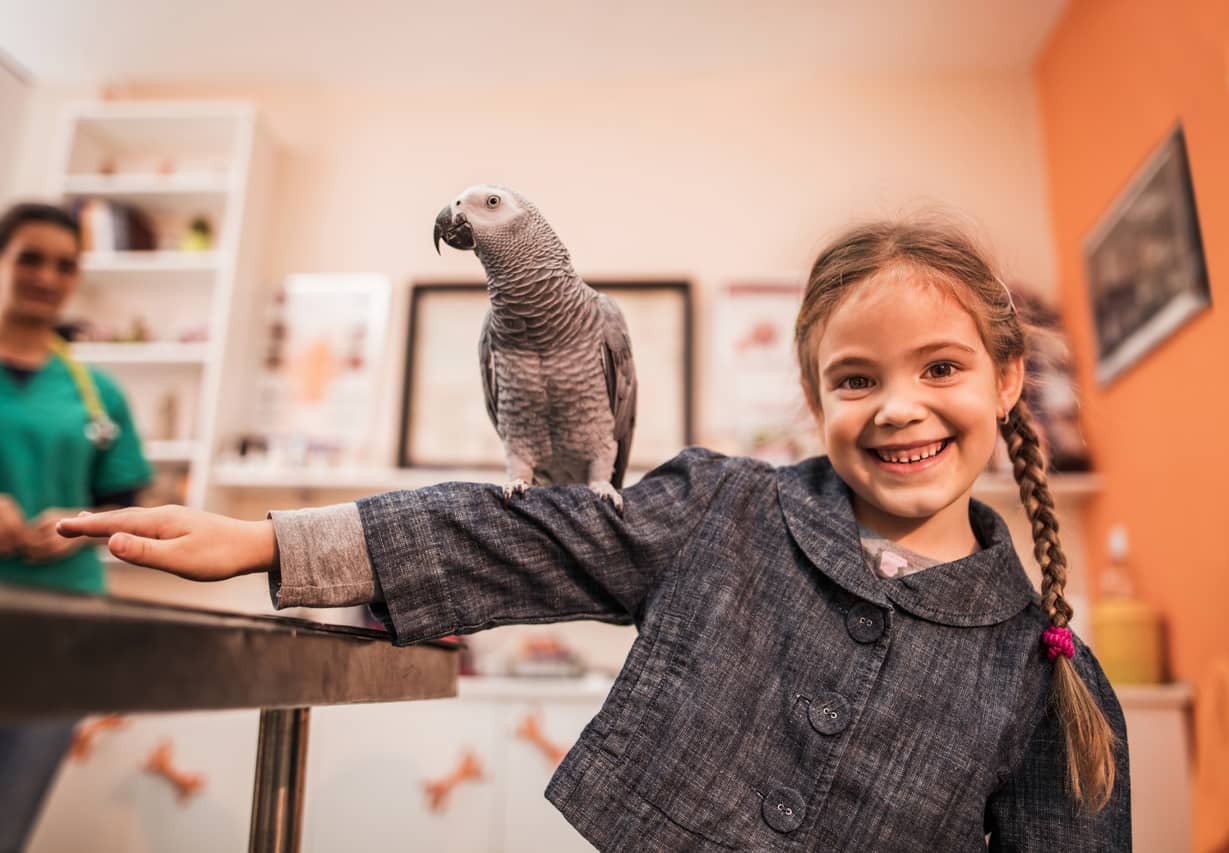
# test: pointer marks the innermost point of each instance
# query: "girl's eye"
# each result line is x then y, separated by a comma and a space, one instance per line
941, 370
855, 383
492, 201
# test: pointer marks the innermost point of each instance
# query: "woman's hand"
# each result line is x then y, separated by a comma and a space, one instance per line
43, 544
187, 542
12, 527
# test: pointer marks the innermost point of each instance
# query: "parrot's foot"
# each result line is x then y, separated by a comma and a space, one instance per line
516, 487
607, 492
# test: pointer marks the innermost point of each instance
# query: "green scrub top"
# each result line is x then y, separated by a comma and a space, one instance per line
46, 461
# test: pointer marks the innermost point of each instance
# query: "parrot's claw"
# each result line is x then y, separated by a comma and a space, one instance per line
516, 487
607, 492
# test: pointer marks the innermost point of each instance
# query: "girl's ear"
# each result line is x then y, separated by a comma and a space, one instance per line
1011, 383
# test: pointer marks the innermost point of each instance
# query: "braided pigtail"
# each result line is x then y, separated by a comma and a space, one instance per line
1090, 740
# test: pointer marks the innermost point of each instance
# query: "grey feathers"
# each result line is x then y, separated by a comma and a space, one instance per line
555, 355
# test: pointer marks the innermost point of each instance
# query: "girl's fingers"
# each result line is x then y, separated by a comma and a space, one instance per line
138, 521
154, 553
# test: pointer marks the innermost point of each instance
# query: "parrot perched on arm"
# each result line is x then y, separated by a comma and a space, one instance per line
555, 355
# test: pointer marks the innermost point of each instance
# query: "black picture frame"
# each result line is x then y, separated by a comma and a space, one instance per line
443, 421
1147, 275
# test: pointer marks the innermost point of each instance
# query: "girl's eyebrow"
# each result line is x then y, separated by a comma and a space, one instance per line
938, 345
866, 361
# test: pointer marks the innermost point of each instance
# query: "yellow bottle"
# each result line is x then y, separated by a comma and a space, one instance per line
1126, 631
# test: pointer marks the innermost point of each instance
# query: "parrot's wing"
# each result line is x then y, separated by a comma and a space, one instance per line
486, 363
620, 373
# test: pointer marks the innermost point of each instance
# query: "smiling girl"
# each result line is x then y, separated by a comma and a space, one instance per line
844, 654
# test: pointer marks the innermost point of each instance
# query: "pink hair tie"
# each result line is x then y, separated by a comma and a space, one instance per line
1058, 642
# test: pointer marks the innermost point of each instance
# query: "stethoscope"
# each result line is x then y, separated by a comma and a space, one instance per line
101, 431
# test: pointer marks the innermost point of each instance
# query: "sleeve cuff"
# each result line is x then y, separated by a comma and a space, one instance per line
323, 559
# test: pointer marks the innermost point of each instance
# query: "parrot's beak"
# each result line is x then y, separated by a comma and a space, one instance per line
456, 232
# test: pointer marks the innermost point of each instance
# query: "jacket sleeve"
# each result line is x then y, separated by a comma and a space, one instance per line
1033, 808
457, 558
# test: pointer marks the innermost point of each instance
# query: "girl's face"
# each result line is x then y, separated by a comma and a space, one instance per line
38, 271
908, 399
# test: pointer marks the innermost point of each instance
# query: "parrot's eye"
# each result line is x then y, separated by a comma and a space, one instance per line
492, 201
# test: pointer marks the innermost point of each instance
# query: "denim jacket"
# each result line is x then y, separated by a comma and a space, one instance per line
779, 695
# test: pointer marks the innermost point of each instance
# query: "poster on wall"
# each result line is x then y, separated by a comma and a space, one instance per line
444, 422
762, 412
321, 371
1146, 271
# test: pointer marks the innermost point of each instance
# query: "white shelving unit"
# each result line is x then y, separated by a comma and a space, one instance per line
172, 161
155, 353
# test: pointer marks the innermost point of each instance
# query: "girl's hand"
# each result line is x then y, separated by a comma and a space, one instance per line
43, 545
12, 527
190, 543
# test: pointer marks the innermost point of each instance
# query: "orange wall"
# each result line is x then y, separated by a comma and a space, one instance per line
1115, 77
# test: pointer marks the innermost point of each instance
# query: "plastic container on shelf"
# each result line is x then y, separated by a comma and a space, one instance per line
1126, 631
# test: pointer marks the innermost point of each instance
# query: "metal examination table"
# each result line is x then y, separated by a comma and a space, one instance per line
63, 654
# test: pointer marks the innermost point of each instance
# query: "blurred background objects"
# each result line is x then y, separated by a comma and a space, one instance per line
222, 156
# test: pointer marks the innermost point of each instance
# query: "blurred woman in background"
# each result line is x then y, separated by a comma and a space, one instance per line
67, 443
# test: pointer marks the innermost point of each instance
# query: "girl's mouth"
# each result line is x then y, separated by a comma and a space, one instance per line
913, 459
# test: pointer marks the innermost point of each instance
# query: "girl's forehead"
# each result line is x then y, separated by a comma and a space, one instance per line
895, 307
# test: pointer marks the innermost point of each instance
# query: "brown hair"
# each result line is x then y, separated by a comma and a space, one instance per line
942, 253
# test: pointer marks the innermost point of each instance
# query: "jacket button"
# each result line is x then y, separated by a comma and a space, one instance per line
864, 622
783, 809
829, 713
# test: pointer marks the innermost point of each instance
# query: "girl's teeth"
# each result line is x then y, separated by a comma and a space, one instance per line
930, 451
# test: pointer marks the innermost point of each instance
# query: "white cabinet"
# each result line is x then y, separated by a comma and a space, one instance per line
1159, 739
367, 766
109, 804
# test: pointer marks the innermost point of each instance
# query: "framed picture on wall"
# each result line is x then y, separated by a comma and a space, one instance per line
1146, 271
763, 413
444, 422
317, 390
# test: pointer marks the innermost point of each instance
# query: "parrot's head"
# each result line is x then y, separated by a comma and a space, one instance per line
493, 221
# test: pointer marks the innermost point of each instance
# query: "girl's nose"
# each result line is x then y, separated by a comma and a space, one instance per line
899, 409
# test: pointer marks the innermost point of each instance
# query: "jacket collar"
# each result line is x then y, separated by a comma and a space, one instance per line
984, 588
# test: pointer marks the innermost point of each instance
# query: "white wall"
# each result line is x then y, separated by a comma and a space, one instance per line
712, 178
13, 95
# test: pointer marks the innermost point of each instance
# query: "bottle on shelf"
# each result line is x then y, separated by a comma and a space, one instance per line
1126, 631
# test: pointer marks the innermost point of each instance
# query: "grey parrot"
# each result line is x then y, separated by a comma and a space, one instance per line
555, 355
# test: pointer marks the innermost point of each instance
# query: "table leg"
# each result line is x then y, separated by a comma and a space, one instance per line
277, 794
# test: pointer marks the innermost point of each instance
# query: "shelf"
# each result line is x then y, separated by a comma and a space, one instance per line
493, 688
157, 450
187, 194
145, 185
367, 480
197, 130
1174, 695
1061, 486
155, 352
377, 479
148, 262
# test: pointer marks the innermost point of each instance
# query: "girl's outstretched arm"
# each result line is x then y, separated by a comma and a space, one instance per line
448, 559
190, 543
